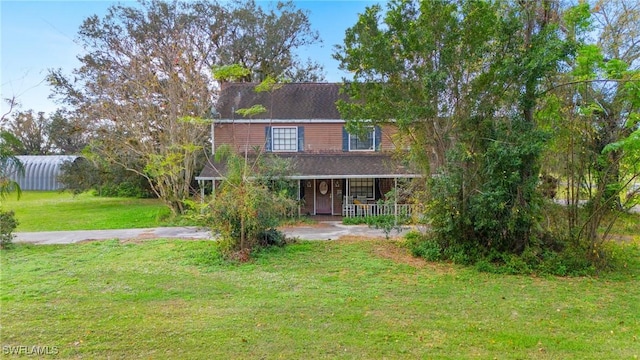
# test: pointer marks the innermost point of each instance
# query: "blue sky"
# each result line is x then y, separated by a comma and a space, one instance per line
39, 35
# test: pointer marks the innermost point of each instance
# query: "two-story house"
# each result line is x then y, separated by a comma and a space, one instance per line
337, 173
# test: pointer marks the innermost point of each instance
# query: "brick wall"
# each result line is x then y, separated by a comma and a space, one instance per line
318, 138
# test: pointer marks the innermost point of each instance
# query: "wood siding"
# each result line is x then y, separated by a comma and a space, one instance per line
318, 137
307, 201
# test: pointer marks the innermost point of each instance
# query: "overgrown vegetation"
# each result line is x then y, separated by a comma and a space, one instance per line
398, 218
246, 208
98, 176
9, 165
144, 90
8, 224
480, 93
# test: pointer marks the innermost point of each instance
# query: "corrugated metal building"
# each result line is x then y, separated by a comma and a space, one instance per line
40, 171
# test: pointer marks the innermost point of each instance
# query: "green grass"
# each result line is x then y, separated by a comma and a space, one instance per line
51, 211
174, 299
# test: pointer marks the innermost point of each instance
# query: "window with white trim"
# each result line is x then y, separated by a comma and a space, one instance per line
284, 138
361, 187
365, 142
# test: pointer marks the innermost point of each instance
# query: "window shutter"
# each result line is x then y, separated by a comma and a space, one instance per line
378, 137
345, 139
267, 136
300, 138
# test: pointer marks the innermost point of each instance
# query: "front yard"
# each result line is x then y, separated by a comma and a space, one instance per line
341, 299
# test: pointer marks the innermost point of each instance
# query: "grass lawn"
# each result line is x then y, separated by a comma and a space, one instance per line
342, 299
51, 211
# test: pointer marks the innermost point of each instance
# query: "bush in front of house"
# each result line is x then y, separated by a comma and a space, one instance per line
8, 224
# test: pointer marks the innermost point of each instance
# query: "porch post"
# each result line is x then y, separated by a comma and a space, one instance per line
299, 185
201, 185
395, 201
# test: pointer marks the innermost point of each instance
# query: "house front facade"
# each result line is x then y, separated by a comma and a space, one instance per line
336, 172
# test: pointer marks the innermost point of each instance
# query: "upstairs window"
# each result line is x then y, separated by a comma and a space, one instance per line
369, 140
284, 138
365, 142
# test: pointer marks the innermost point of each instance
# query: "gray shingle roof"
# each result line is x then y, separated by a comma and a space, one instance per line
330, 166
291, 101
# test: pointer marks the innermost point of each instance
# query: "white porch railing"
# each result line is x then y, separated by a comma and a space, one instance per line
353, 210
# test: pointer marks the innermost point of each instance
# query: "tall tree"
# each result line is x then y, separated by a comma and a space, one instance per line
145, 82
10, 166
461, 80
67, 133
32, 130
596, 108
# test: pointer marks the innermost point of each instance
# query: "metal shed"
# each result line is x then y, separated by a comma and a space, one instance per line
41, 171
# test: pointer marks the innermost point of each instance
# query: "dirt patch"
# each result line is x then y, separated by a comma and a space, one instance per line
393, 251
388, 249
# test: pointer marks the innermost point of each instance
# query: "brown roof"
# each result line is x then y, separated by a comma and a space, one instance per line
291, 101
330, 166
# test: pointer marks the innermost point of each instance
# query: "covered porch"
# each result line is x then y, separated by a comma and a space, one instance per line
351, 197
343, 184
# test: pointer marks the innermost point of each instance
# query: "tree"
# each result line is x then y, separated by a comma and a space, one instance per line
264, 42
145, 83
461, 81
32, 131
67, 133
12, 103
253, 196
245, 210
594, 110
8, 163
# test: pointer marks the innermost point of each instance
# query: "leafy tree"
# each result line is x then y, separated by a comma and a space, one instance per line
264, 42
145, 83
39, 134
245, 210
32, 132
254, 195
9, 165
68, 134
593, 109
461, 82
8, 162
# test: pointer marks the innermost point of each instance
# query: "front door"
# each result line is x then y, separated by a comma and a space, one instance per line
323, 196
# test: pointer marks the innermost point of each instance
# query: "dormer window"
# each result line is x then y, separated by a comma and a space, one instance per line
363, 142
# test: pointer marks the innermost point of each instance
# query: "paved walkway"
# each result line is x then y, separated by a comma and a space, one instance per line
326, 230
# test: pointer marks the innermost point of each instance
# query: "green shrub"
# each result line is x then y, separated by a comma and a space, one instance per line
423, 246
272, 237
105, 180
356, 220
245, 211
8, 224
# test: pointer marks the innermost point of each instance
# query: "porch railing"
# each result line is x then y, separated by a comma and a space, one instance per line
353, 210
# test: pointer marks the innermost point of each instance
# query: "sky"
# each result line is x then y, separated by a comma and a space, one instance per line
36, 36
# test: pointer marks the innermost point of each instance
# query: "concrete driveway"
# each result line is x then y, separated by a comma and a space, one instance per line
70, 237
328, 230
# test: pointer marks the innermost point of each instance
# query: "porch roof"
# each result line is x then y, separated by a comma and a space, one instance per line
330, 166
